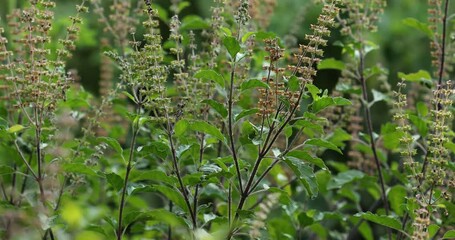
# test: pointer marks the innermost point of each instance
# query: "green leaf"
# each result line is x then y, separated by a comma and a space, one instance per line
432, 230
294, 84
232, 46
340, 101
421, 76
131, 97
377, 97
5, 170
253, 83
422, 109
247, 35
154, 175
193, 22
449, 234
420, 124
322, 143
79, 168
115, 181
331, 63
321, 104
207, 128
383, 220
397, 198
304, 156
113, 143
210, 75
15, 128
343, 178
245, 113
180, 127
173, 195
314, 91
416, 24
305, 174
218, 107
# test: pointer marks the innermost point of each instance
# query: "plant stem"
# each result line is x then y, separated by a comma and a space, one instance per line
369, 124
128, 170
230, 128
443, 47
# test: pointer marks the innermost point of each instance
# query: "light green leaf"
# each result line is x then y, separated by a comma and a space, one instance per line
253, 83
15, 128
321, 104
449, 235
247, 35
193, 22
422, 109
383, 220
218, 107
343, 178
432, 230
421, 76
331, 63
180, 127
397, 197
322, 143
416, 24
340, 101
207, 128
305, 174
79, 168
232, 46
210, 75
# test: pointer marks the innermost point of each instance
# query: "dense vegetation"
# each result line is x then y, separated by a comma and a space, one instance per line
248, 119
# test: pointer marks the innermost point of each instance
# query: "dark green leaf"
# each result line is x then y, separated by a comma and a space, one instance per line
5, 170
180, 127
422, 109
115, 181
193, 22
173, 195
420, 124
218, 107
210, 75
232, 46
304, 156
79, 168
305, 174
397, 198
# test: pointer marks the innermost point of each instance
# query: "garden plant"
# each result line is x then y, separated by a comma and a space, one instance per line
209, 119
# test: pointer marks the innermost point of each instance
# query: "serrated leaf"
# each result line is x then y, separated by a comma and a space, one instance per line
383, 220
331, 63
232, 46
114, 144
322, 143
304, 156
305, 174
207, 128
15, 128
245, 113
218, 107
115, 181
253, 83
210, 75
